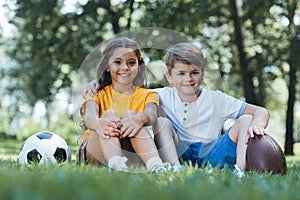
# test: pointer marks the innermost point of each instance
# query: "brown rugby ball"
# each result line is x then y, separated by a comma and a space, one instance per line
264, 154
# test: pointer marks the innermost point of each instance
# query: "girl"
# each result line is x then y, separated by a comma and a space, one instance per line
117, 116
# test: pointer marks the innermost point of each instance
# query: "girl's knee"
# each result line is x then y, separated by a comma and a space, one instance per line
128, 113
162, 123
110, 114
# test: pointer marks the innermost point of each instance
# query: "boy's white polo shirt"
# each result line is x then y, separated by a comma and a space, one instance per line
203, 119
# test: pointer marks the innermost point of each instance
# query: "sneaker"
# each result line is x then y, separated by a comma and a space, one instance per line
238, 172
118, 164
165, 167
178, 168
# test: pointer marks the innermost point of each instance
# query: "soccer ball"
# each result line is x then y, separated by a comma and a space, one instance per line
44, 148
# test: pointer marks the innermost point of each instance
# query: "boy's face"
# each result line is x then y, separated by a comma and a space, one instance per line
186, 79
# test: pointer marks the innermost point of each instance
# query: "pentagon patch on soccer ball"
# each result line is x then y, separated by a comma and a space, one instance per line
44, 148
264, 154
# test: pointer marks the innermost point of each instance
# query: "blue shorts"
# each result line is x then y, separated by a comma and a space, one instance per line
220, 153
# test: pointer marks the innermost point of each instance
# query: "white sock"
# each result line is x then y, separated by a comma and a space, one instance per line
153, 162
115, 161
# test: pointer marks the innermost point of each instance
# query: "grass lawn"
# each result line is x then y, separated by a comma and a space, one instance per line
71, 181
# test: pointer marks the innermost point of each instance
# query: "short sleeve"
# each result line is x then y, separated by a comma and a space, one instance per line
152, 97
88, 98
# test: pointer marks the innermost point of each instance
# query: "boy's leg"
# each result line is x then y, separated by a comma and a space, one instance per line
238, 134
165, 139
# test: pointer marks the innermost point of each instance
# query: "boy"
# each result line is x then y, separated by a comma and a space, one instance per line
197, 115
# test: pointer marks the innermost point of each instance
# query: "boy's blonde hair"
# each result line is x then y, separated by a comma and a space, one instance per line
187, 53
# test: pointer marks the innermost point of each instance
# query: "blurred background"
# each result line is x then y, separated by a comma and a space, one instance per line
253, 46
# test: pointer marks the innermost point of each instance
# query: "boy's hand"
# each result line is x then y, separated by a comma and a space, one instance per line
92, 88
255, 129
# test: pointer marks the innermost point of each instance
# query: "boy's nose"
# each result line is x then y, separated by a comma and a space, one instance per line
189, 77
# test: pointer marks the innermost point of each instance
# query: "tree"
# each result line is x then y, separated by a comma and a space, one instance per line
294, 63
249, 33
50, 45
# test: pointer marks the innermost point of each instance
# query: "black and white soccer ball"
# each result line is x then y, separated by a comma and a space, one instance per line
44, 148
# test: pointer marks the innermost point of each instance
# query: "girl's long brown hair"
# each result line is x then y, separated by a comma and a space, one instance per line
104, 77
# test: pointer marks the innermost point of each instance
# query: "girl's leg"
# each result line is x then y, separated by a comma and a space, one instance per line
166, 140
100, 150
238, 134
105, 151
144, 146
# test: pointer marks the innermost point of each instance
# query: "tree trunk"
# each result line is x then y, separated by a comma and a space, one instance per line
289, 141
246, 73
294, 62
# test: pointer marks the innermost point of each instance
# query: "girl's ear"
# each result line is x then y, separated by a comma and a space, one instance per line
169, 77
107, 69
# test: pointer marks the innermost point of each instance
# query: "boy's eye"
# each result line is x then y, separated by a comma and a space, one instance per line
118, 62
195, 72
180, 73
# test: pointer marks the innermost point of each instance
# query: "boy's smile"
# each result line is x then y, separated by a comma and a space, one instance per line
186, 78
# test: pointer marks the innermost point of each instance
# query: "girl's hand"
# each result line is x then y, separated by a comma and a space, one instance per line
131, 124
108, 127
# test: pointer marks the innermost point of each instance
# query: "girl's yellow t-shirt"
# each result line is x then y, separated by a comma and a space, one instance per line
108, 98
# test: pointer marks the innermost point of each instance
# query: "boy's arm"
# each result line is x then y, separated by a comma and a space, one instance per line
260, 119
91, 88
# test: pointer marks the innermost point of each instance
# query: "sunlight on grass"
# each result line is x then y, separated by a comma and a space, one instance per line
72, 181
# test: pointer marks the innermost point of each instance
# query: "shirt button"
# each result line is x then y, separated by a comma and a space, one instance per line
186, 104
184, 119
185, 111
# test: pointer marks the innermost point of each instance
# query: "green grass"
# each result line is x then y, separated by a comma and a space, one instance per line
71, 181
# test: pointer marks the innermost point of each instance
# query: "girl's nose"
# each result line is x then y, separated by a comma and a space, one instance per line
124, 66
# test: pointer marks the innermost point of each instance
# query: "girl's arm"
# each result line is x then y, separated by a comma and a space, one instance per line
260, 119
105, 127
133, 122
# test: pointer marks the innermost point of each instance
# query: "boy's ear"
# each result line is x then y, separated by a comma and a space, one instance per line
169, 78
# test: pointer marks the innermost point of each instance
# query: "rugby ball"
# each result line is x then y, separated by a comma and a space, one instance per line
264, 154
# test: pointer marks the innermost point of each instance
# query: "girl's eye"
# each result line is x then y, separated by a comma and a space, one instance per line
131, 63
118, 62
195, 73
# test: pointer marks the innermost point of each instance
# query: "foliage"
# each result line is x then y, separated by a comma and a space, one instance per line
71, 181
61, 125
211, 22
50, 45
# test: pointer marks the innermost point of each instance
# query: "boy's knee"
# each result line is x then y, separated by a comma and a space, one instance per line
245, 119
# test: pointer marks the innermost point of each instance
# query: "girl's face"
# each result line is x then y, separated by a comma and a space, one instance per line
186, 79
123, 66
